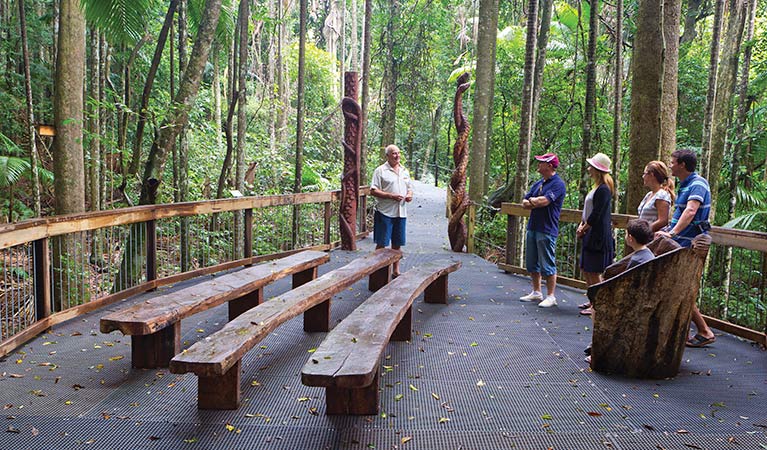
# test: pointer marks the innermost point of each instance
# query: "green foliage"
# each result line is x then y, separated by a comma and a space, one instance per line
123, 21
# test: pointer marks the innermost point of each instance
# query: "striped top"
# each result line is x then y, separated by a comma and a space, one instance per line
694, 187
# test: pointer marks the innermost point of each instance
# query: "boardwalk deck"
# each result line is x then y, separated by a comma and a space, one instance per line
505, 374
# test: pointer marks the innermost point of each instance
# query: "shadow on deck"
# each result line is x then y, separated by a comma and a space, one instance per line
483, 372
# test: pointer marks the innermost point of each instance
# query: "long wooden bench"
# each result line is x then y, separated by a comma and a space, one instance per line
217, 360
346, 363
155, 324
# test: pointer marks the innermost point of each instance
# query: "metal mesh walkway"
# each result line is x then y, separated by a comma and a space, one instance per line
483, 372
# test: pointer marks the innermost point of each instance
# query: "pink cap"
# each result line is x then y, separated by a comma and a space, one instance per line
550, 158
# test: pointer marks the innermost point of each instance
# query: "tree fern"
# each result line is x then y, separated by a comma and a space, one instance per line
123, 21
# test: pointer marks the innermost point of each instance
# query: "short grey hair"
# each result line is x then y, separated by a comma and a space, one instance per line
391, 147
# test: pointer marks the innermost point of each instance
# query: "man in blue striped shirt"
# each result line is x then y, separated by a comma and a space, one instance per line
692, 207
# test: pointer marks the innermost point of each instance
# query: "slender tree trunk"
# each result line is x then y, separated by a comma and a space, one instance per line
433, 137
514, 227
547, 7
282, 73
692, 16
647, 83
300, 115
390, 78
342, 45
182, 103
483, 97
672, 9
617, 98
242, 100
33, 157
183, 143
145, 96
94, 125
713, 69
367, 37
354, 45
725, 91
591, 92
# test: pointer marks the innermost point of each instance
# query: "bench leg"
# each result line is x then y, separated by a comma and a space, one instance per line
220, 392
317, 318
436, 292
403, 332
153, 351
246, 302
379, 278
304, 276
358, 402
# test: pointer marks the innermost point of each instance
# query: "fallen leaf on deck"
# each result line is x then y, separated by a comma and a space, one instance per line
593, 413
546, 417
406, 439
443, 420
436, 397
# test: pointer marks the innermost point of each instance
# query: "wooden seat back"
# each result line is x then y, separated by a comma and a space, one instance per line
642, 316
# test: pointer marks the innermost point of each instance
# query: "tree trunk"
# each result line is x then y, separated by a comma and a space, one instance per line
300, 116
744, 104
282, 72
182, 102
647, 79
94, 125
242, 120
672, 9
514, 227
691, 18
725, 90
183, 143
547, 7
367, 37
617, 98
145, 96
390, 79
591, 82
483, 96
33, 157
713, 68
68, 165
433, 138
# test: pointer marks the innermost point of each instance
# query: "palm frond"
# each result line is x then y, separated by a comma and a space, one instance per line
123, 21
226, 20
11, 169
745, 221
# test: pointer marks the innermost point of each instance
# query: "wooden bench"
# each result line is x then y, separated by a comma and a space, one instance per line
347, 362
642, 316
217, 359
155, 324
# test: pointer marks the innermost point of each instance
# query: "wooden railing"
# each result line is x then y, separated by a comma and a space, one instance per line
56, 268
734, 287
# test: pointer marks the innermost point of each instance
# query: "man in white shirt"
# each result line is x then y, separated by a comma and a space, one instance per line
392, 187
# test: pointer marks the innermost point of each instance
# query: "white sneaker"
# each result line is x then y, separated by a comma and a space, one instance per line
548, 302
531, 297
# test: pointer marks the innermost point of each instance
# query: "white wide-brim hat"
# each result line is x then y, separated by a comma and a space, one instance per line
601, 162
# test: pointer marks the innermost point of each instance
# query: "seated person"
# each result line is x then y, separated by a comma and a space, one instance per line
638, 235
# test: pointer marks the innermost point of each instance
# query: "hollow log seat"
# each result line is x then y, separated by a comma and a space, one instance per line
216, 359
346, 363
642, 316
155, 324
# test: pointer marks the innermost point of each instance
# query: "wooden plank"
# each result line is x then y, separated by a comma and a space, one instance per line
564, 281
42, 261
161, 311
348, 357
566, 215
737, 330
221, 350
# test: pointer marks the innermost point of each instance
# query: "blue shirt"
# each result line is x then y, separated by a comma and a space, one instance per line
694, 187
546, 219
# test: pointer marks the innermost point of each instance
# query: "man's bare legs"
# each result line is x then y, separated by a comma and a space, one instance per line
551, 283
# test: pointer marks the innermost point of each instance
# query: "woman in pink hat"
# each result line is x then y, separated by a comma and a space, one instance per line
598, 250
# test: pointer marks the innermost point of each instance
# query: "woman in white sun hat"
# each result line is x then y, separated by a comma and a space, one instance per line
598, 249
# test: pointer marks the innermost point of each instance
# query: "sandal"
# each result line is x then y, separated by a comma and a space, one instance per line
394, 275
587, 312
584, 305
700, 341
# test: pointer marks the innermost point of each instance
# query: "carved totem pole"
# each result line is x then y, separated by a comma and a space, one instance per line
350, 181
459, 203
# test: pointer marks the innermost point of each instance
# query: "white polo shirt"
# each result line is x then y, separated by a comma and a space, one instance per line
387, 180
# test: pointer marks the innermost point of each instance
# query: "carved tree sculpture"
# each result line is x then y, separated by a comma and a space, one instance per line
350, 181
459, 202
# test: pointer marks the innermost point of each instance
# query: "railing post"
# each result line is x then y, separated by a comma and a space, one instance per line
470, 228
247, 250
364, 208
327, 216
151, 250
42, 261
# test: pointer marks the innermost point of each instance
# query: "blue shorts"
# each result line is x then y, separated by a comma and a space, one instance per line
540, 256
387, 229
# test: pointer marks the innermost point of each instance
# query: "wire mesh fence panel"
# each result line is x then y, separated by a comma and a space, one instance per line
17, 290
734, 285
